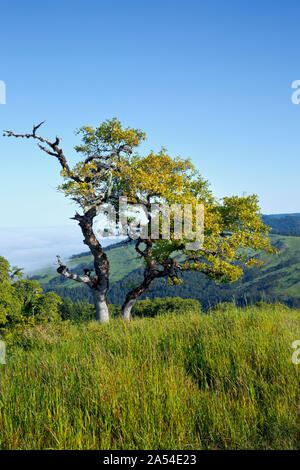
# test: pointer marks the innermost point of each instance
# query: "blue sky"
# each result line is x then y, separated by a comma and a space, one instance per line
210, 80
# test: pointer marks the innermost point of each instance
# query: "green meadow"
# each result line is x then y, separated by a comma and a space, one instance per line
221, 380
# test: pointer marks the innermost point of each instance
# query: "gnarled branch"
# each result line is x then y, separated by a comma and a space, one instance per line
64, 271
53, 149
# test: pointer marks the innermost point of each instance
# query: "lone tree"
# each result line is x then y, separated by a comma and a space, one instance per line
91, 183
233, 227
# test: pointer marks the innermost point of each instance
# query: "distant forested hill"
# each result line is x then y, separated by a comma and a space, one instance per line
283, 224
277, 280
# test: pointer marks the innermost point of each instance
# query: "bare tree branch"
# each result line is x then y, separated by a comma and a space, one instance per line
53, 149
64, 271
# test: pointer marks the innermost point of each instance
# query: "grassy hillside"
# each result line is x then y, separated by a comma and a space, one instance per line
219, 381
277, 280
123, 260
285, 266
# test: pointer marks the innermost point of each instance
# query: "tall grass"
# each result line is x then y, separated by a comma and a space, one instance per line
193, 381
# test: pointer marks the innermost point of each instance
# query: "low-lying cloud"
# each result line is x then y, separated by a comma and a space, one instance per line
35, 248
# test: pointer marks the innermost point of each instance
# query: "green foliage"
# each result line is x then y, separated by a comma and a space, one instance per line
77, 311
80, 311
67, 309
23, 301
231, 230
4, 270
166, 305
45, 307
104, 148
10, 306
162, 178
27, 290
109, 135
193, 381
232, 226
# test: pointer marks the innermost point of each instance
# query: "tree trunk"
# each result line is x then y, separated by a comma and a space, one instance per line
127, 307
101, 264
101, 306
150, 274
133, 295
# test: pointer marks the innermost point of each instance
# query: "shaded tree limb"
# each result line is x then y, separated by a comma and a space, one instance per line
64, 271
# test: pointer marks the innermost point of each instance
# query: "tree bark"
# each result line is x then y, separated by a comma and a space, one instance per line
102, 313
151, 272
101, 265
99, 289
127, 308
133, 295
99, 284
